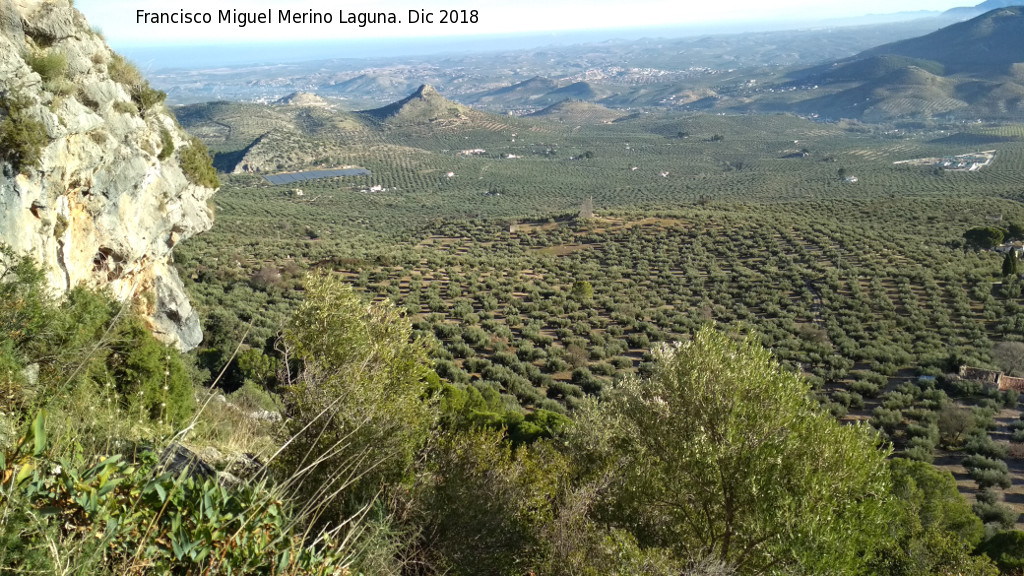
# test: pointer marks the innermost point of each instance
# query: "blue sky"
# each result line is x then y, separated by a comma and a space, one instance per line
117, 18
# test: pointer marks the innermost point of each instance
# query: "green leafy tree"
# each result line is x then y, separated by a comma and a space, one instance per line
486, 504
955, 424
469, 408
932, 495
257, 367
26, 311
354, 400
723, 454
582, 290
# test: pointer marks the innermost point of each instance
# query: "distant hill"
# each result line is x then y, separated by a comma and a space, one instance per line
522, 94
539, 92
579, 112
422, 106
576, 91
303, 99
972, 11
298, 132
379, 86
974, 68
990, 42
292, 133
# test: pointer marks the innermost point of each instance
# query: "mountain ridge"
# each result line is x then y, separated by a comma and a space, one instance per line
974, 68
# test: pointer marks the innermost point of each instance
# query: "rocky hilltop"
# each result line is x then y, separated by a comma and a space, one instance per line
98, 180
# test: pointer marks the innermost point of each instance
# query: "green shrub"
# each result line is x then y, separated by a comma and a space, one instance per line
12, 380
995, 513
83, 343
147, 97
116, 516
125, 107
1009, 398
22, 138
983, 444
124, 72
51, 67
583, 291
920, 454
197, 164
977, 461
484, 503
355, 397
151, 377
166, 144
27, 312
252, 396
886, 419
990, 477
865, 388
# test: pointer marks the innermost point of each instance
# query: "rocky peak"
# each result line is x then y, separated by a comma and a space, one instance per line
303, 99
424, 105
91, 167
426, 91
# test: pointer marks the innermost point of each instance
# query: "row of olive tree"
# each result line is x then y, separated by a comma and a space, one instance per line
719, 463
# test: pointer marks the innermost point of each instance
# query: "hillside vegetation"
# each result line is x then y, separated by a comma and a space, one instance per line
577, 341
381, 468
871, 288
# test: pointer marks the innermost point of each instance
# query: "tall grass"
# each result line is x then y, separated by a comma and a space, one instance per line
87, 485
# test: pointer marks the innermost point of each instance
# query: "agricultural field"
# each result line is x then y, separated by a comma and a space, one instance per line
742, 221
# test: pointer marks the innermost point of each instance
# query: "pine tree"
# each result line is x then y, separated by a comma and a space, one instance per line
1010, 264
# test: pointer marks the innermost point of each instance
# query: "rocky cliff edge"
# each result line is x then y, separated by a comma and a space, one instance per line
94, 189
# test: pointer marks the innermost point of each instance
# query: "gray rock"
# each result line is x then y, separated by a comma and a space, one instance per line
175, 319
10, 25
247, 467
51, 22
212, 456
266, 415
177, 459
78, 118
101, 210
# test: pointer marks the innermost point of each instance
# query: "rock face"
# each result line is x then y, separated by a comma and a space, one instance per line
107, 201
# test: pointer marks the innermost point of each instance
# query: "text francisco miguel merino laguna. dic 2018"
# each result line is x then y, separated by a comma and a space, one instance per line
242, 18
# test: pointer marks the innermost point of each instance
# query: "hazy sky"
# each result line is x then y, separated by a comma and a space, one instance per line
117, 18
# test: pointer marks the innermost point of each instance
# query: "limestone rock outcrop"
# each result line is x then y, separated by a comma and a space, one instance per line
107, 200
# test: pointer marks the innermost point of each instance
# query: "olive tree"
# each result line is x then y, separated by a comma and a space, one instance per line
723, 454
